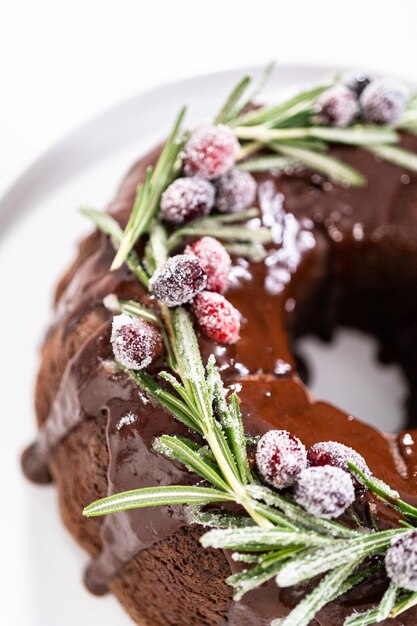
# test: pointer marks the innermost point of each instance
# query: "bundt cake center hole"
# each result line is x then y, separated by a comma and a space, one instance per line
346, 372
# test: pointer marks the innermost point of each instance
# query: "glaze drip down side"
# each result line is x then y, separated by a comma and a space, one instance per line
339, 256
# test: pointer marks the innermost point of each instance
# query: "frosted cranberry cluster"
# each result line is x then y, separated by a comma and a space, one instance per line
199, 276
376, 101
211, 180
319, 478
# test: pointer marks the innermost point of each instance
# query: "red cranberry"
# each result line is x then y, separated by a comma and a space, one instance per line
186, 199
401, 561
210, 151
280, 458
336, 454
178, 280
136, 343
324, 491
338, 106
215, 261
236, 191
356, 82
383, 101
216, 317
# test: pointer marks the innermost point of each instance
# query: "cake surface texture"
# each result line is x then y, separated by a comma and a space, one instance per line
341, 256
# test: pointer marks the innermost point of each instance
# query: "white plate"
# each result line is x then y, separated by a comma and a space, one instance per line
39, 226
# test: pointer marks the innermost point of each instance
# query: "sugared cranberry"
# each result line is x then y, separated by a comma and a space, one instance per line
338, 106
337, 455
215, 261
135, 342
186, 199
401, 561
324, 491
217, 317
280, 457
236, 191
383, 101
178, 280
356, 82
210, 151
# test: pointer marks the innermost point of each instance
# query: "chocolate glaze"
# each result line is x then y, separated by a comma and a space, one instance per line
340, 256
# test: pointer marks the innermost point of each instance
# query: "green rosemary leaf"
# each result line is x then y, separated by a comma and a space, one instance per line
399, 156
274, 516
334, 169
154, 496
384, 492
268, 115
379, 614
254, 252
404, 604
231, 420
138, 221
258, 87
359, 135
215, 228
317, 145
177, 407
178, 450
251, 578
216, 519
319, 561
107, 225
231, 218
298, 515
245, 557
267, 163
362, 574
179, 388
191, 366
157, 246
149, 193
362, 619
255, 539
130, 307
228, 109
227, 452
236, 437
388, 602
330, 586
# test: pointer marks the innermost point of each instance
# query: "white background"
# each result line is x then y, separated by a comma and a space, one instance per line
61, 64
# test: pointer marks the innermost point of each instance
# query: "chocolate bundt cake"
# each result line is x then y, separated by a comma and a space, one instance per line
339, 255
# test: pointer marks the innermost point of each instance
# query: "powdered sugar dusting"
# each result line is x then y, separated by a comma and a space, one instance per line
292, 238
236, 191
126, 420
186, 199
210, 151
401, 561
135, 342
324, 491
111, 302
178, 280
280, 457
215, 261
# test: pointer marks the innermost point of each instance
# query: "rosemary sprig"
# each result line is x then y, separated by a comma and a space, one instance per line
107, 225
149, 192
222, 228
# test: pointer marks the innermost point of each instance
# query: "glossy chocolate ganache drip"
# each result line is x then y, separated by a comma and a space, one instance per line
340, 256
